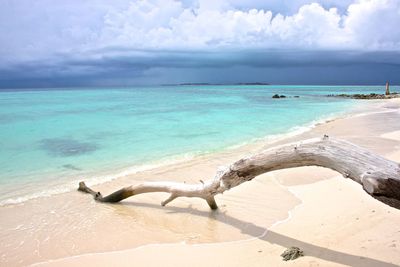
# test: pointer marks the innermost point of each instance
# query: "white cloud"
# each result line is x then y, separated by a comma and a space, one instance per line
45, 28
367, 24
374, 24
312, 26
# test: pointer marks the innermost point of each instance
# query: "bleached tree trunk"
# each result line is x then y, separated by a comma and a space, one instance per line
379, 177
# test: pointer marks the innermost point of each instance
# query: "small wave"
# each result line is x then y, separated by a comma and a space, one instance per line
141, 168
292, 132
97, 179
44, 193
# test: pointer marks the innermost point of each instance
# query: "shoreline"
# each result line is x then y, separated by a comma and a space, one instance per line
237, 219
111, 175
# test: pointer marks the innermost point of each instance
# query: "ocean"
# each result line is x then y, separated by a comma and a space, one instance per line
52, 138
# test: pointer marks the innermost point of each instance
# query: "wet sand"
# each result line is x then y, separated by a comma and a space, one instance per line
347, 229
329, 217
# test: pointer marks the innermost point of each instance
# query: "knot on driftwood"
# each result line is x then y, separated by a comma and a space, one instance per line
98, 196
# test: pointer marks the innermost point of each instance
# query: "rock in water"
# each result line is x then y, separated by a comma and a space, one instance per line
278, 96
275, 96
292, 253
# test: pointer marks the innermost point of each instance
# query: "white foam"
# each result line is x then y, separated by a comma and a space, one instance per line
292, 132
44, 193
95, 180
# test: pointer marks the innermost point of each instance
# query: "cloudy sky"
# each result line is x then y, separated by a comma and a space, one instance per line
47, 43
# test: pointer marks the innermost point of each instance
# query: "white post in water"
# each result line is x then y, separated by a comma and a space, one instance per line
387, 89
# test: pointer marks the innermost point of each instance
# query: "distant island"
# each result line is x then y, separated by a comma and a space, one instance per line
256, 83
210, 84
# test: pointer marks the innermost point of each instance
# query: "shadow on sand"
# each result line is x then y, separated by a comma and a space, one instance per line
273, 237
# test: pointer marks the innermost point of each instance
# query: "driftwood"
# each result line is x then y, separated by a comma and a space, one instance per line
379, 177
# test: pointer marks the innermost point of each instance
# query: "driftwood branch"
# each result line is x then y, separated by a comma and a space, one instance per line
379, 177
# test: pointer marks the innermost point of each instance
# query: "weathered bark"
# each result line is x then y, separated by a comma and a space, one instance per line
379, 177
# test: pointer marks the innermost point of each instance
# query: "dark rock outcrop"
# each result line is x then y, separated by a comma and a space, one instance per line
367, 96
278, 96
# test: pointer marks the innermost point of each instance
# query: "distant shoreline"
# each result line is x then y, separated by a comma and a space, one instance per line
100, 87
206, 84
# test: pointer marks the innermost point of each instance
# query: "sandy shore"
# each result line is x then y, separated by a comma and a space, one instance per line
347, 229
329, 217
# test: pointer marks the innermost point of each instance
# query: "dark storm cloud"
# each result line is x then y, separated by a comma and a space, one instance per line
134, 67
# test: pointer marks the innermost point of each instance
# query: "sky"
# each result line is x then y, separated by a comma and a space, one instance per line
75, 43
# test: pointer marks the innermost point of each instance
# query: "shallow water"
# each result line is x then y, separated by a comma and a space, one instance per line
57, 136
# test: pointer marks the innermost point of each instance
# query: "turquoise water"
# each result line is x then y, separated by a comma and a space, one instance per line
57, 136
